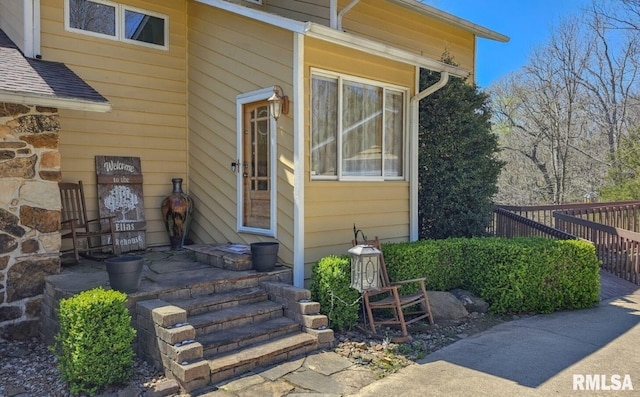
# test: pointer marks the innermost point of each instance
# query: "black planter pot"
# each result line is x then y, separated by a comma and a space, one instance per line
264, 256
125, 272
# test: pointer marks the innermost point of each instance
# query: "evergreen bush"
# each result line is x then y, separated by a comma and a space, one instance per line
330, 287
519, 275
93, 345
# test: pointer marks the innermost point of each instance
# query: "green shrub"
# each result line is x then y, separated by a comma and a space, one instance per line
512, 275
330, 287
93, 345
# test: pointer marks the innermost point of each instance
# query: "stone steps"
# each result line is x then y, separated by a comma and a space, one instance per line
239, 362
246, 335
205, 303
236, 316
212, 333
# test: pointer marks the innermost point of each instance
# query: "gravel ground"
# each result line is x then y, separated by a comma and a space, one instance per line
28, 368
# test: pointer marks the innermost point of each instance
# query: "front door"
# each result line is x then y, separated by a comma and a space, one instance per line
256, 166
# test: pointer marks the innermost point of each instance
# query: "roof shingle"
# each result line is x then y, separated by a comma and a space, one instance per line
44, 81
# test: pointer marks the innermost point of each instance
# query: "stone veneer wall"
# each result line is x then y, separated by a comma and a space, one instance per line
29, 214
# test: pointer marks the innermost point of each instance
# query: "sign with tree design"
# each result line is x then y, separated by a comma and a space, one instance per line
120, 195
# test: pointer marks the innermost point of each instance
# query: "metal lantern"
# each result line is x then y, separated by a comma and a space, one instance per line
365, 267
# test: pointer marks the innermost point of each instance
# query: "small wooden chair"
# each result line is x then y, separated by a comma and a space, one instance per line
87, 235
388, 297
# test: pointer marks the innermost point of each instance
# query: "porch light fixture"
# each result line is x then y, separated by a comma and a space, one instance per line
365, 266
278, 102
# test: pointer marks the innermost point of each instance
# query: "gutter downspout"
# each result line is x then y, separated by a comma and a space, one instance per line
333, 14
31, 24
415, 119
344, 11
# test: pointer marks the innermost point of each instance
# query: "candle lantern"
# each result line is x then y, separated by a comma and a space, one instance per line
365, 267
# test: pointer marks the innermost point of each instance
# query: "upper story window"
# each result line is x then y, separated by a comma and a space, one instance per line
357, 128
115, 21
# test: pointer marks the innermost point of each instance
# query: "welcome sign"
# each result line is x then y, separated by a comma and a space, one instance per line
120, 195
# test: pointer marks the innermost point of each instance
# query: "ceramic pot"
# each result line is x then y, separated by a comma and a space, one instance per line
124, 272
176, 213
264, 256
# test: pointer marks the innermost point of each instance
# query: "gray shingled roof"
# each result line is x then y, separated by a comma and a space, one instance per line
36, 82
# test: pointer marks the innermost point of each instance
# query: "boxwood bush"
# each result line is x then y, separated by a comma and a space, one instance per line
514, 275
93, 345
330, 287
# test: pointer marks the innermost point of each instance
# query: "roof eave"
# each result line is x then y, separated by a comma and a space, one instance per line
476, 29
380, 49
328, 34
54, 102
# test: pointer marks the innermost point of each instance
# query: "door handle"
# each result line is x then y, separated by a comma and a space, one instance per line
235, 166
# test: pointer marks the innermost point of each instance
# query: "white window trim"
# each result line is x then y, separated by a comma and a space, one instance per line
124, 8
67, 21
119, 22
241, 100
259, 2
405, 152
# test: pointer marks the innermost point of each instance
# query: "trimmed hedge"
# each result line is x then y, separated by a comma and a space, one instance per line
513, 275
330, 287
93, 345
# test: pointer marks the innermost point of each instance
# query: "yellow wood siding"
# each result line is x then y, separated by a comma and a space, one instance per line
147, 90
332, 207
400, 27
231, 55
302, 10
12, 20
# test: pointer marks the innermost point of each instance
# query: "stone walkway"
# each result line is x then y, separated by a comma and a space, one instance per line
321, 373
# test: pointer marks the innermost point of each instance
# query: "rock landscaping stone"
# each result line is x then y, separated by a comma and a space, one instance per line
470, 301
445, 307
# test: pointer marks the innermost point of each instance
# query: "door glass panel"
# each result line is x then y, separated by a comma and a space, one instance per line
257, 160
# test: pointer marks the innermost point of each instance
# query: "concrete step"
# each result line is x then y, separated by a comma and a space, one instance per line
235, 316
238, 362
224, 256
218, 342
217, 301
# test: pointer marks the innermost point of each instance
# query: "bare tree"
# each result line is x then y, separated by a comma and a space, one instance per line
611, 76
565, 113
541, 115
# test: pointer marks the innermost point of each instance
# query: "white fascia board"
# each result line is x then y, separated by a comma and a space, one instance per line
328, 34
471, 27
61, 103
271, 19
380, 49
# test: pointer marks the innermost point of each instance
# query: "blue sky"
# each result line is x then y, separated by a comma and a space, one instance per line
527, 22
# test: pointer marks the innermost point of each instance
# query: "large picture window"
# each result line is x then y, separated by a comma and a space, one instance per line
357, 128
115, 21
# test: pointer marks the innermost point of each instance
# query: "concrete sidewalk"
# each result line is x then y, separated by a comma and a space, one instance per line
544, 355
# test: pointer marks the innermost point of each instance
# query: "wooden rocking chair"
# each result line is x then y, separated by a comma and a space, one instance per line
87, 235
388, 297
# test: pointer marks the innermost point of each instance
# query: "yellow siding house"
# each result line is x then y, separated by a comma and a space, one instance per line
190, 86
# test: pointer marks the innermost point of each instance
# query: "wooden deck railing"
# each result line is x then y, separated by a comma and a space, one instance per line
617, 248
613, 228
509, 224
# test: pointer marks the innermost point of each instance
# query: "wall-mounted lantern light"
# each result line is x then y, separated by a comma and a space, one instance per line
278, 102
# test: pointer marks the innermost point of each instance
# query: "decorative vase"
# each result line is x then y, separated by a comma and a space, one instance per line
124, 272
176, 212
264, 256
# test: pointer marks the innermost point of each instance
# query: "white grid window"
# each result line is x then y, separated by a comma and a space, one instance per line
357, 128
